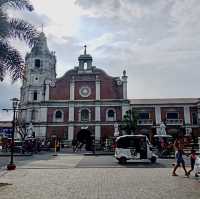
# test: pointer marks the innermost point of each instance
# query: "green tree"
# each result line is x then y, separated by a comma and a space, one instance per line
129, 122
11, 61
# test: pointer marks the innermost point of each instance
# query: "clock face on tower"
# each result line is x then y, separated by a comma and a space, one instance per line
85, 91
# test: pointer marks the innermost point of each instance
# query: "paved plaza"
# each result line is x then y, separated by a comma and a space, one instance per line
74, 176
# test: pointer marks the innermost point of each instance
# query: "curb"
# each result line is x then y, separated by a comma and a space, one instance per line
8, 155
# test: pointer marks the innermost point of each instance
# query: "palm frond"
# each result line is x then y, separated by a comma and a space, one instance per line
24, 31
2, 70
18, 4
4, 25
10, 61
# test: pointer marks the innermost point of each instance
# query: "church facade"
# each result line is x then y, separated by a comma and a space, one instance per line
85, 97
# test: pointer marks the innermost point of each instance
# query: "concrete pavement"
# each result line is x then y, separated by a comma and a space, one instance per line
64, 176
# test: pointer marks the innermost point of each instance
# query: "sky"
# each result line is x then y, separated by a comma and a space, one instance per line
156, 41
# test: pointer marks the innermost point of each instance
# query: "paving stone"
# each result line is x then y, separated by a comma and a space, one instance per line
94, 183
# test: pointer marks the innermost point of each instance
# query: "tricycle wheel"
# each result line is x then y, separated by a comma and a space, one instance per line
153, 159
122, 160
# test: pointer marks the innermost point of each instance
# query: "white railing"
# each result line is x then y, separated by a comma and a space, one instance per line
145, 122
174, 122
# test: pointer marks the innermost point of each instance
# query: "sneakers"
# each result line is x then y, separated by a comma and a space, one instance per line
174, 174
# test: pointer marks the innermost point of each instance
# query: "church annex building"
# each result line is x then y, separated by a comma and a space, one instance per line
87, 97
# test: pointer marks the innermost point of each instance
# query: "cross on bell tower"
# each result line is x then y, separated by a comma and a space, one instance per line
85, 59
85, 50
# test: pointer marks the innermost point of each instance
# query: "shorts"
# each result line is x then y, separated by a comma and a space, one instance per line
179, 159
192, 161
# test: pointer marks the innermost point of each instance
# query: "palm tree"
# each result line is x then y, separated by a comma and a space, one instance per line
12, 28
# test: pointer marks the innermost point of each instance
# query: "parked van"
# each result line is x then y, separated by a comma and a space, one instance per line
133, 147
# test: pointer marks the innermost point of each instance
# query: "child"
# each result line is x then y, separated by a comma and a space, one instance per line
193, 157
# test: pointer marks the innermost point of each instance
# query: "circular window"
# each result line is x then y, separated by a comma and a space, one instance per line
85, 91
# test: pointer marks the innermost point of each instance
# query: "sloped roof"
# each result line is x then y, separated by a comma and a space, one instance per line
164, 101
5, 124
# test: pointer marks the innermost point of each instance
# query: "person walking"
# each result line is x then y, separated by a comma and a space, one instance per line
74, 145
179, 145
193, 157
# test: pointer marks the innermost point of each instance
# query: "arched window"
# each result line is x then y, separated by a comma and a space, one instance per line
85, 66
35, 95
85, 115
58, 115
37, 63
110, 115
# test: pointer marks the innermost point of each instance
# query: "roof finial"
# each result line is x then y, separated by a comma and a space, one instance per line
85, 50
124, 72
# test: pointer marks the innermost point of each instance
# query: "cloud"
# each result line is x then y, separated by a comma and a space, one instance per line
67, 51
8, 91
157, 42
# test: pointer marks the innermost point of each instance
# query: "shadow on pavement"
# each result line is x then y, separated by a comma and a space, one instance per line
23, 160
111, 162
144, 165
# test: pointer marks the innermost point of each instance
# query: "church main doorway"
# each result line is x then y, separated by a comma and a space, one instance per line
84, 137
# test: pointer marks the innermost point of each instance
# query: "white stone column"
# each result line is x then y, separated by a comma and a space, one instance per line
43, 114
71, 119
124, 82
47, 92
70, 132
28, 115
187, 115
72, 88
40, 96
187, 120
71, 113
40, 132
97, 113
97, 132
158, 118
30, 96
158, 115
98, 88
97, 126
125, 87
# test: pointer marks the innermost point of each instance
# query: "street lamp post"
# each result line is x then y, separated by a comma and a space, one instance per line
55, 145
11, 165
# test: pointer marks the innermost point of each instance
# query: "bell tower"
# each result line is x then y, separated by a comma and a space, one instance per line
85, 61
39, 71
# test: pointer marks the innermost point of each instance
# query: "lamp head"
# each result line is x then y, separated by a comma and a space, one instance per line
15, 102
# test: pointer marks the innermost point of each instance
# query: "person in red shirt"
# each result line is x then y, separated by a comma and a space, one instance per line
193, 157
